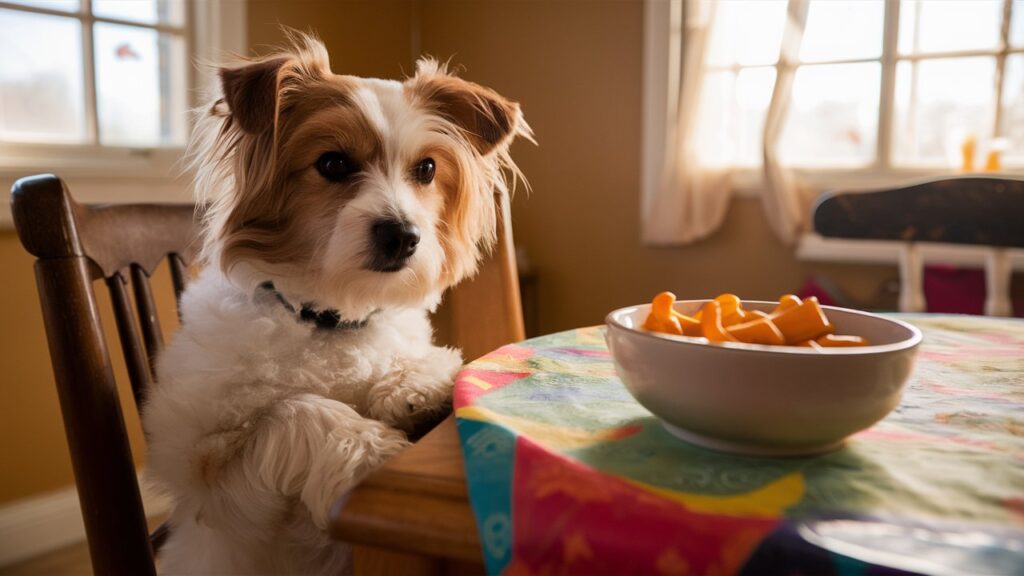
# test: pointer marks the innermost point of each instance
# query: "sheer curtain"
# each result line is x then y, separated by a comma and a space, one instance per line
785, 198
687, 200
690, 200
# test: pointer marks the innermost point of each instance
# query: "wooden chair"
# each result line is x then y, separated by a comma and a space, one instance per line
76, 244
970, 210
123, 245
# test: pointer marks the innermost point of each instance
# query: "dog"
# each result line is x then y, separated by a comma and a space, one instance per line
336, 212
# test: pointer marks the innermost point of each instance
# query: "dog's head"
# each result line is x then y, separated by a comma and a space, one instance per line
347, 192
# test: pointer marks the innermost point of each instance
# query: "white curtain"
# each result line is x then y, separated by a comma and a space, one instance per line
690, 200
785, 198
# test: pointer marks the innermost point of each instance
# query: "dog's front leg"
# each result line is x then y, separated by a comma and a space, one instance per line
318, 449
417, 389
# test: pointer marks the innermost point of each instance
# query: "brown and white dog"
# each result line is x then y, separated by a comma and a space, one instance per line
339, 209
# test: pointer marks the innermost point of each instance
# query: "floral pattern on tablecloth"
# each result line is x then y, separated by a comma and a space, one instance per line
569, 475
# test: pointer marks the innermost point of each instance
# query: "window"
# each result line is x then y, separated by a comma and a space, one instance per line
879, 85
94, 73
97, 91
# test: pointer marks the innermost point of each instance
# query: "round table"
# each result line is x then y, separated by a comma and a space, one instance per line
568, 474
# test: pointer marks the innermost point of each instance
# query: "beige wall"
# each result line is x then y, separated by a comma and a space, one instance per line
365, 37
33, 455
575, 67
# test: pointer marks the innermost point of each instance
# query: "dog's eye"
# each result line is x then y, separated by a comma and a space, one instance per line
424, 171
335, 166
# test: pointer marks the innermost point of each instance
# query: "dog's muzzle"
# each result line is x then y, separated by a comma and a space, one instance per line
394, 242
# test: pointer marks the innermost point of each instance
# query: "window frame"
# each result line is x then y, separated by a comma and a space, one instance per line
102, 174
210, 28
663, 29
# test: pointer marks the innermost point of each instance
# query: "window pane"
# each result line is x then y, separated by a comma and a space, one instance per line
41, 88
716, 122
938, 105
1017, 23
1013, 108
731, 122
144, 11
66, 5
839, 30
140, 86
833, 116
947, 25
747, 32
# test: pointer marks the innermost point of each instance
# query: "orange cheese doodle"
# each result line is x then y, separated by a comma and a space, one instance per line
805, 321
661, 318
758, 331
786, 302
711, 323
691, 326
793, 322
732, 309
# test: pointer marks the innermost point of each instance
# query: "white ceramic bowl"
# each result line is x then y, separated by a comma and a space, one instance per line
764, 400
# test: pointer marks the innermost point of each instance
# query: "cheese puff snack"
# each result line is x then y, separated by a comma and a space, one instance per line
793, 322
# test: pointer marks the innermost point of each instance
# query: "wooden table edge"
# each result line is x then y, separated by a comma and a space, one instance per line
417, 503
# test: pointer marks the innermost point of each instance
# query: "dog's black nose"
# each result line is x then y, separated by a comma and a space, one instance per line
394, 241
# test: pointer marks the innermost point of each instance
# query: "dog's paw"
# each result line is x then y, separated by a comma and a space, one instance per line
350, 455
408, 404
419, 391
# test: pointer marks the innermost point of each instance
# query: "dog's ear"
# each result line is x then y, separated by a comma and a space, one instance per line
251, 93
488, 119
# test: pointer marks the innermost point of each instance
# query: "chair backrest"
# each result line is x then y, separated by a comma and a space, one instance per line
77, 244
971, 210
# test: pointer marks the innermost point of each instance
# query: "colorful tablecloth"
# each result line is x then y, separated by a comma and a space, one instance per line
569, 475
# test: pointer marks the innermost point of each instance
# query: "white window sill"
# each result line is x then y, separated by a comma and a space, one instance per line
814, 248
17, 160
97, 174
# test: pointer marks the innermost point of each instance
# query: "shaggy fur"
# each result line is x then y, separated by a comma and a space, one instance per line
260, 422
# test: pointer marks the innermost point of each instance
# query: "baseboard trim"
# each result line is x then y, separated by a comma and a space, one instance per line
48, 522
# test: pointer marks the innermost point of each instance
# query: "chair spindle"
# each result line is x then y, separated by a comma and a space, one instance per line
146, 307
179, 277
131, 342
